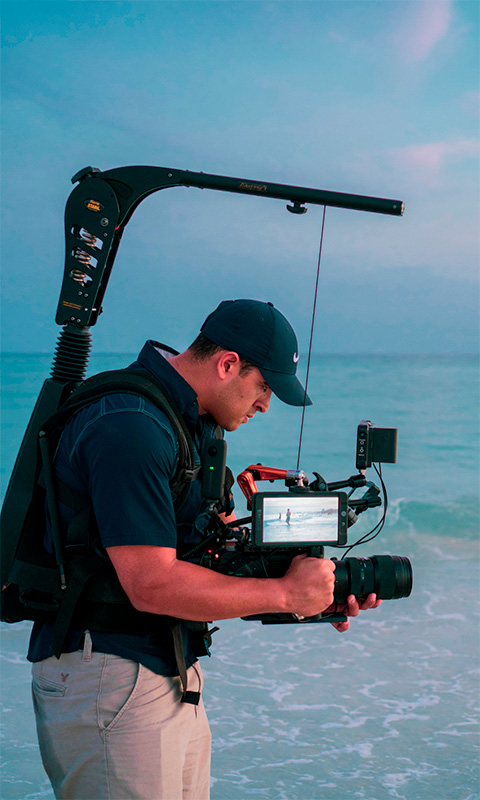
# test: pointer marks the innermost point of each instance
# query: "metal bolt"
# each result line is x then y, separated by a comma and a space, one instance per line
104, 221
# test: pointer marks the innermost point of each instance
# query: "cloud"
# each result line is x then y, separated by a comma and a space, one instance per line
426, 25
430, 158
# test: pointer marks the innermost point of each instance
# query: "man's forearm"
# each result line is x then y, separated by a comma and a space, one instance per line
193, 592
157, 582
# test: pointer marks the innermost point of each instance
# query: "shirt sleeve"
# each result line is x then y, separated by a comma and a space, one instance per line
127, 459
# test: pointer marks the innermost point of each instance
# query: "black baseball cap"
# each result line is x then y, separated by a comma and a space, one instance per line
262, 336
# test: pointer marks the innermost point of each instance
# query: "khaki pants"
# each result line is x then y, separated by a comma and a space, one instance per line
109, 729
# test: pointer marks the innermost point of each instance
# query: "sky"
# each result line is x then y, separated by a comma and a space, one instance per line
374, 98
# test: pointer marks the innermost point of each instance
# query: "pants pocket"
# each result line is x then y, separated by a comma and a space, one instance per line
117, 686
42, 687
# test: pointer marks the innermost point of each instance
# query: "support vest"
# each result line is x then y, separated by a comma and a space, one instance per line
76, 585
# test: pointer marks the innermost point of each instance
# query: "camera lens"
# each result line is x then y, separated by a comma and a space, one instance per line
389, 577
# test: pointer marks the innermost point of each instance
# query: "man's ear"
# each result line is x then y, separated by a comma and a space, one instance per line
228, 364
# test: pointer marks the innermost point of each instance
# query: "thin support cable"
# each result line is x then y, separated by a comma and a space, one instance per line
311, 337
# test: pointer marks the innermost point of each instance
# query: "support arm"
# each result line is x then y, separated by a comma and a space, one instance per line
103, 202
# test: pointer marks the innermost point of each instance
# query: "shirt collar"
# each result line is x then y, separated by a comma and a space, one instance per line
181, 392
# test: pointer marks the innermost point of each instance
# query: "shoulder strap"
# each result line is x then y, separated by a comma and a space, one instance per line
126, 381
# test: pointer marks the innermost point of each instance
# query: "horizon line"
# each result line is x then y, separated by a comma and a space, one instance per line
350, 354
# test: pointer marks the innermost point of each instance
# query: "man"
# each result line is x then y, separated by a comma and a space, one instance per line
110, 719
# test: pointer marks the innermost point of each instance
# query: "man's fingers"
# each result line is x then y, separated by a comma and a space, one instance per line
341, 627
354, 605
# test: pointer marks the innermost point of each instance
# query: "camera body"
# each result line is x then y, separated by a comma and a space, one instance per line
306, 519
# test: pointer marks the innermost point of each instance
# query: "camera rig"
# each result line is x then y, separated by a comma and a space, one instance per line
305, 519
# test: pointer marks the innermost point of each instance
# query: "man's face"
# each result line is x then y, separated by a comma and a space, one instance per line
240, 398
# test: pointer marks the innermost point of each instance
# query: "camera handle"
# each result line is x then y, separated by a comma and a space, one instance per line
356, 506
294, 619
258, 472
354, 482
318, 551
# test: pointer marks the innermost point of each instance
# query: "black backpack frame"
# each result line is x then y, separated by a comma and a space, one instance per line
77, 585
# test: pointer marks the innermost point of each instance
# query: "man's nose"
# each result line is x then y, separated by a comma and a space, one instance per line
263, 402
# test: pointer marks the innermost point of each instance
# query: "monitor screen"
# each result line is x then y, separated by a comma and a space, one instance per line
286, 519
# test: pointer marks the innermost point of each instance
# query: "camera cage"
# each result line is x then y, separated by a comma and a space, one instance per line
234, 549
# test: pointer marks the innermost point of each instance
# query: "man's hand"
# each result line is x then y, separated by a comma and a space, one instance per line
352, 608
309, 583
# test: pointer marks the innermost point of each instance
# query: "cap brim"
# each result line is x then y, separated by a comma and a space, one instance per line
287, 388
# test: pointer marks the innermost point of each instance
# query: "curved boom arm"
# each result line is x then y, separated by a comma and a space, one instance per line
103, 202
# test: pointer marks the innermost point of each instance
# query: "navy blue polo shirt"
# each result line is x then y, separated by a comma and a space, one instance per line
122, 451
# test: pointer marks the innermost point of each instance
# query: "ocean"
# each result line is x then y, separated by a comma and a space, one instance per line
388, 709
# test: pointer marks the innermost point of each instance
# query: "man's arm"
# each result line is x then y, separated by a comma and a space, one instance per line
157, 582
